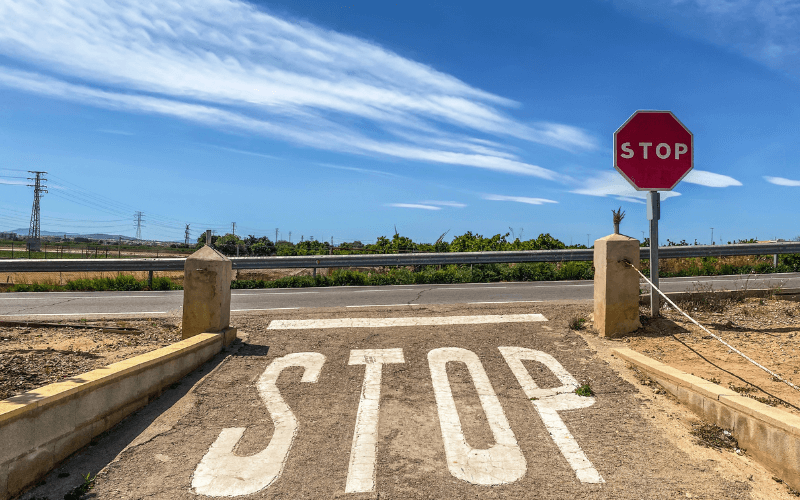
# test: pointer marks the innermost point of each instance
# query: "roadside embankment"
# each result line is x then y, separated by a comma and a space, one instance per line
770, 435
42, 427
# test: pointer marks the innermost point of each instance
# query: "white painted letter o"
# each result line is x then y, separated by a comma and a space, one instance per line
663, 156
501, 463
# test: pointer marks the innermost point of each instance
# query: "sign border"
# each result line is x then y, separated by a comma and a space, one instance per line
691, 136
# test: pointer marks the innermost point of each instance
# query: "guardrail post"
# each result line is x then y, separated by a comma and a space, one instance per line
616, 285
206, 292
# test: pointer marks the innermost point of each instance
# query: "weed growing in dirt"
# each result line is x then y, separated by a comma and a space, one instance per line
712, 436
577, 323
584, 390
82, 489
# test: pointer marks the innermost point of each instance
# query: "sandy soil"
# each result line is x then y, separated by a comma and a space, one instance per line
32, 357
766, 330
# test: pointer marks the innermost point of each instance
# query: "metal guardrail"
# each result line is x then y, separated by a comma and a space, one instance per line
407, 259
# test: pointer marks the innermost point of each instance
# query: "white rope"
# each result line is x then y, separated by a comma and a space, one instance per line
716, 337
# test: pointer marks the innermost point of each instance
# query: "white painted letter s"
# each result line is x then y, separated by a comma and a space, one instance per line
628, 151
223, 473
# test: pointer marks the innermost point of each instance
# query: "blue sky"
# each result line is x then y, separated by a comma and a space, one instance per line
345, 120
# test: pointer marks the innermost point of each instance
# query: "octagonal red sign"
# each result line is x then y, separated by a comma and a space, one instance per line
653, 150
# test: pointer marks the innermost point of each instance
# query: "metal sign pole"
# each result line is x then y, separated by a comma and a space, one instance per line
653, 214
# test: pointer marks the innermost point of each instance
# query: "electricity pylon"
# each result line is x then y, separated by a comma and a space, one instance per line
34, 231
138, 220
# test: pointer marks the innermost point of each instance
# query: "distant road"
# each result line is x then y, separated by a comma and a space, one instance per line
78, 304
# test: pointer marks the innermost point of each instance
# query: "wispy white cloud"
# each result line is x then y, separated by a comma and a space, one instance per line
370, 171
413, 205
229, 64
710, 179
453, 204
629, 199
244, 152
780, 181
115, 132
767, 31
518, 199
613, 184
326, 134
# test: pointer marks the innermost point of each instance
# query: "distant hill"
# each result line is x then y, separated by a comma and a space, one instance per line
93, 236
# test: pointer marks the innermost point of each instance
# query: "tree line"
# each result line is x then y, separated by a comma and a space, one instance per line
468, 242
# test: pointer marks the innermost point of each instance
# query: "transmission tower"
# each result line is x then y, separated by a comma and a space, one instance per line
34, 232
138, 219
233, 228
186, 234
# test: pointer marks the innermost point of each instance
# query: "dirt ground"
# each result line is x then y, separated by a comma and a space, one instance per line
766, 330
637, 438
31, 357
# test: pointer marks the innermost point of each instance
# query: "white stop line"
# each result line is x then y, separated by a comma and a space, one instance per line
221, 473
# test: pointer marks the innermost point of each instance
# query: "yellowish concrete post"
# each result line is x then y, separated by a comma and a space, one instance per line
206, 292
616, 285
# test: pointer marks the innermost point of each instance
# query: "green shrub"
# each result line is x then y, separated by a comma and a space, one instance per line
791, 261
36, 287
163, 283
576, 271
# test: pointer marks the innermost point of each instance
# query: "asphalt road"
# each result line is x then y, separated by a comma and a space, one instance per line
43, 305
453, 402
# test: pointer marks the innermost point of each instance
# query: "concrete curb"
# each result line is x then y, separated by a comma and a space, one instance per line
770, 435
42, 427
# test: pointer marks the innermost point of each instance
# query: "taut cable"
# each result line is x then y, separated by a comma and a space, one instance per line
737, 351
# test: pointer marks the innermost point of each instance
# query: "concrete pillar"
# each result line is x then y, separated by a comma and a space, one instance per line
206, 292
616, 285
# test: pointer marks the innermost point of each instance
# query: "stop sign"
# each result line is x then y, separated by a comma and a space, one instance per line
653, 150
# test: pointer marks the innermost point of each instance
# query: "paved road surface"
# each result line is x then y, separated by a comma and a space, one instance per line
436, 402
42, 305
